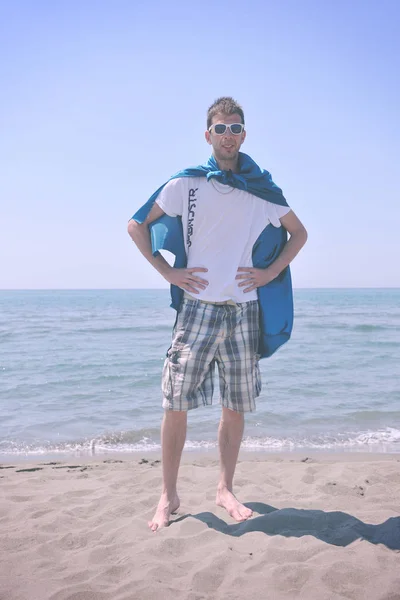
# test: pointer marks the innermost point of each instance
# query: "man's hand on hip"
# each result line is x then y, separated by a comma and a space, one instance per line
186, 279
252, 278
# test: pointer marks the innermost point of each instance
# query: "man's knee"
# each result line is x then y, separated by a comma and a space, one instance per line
230, 415
175, 416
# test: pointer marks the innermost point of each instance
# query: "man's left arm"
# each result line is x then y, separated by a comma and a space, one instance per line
253, 278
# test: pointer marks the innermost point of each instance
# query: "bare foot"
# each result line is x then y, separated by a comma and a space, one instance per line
228, 500
164, 510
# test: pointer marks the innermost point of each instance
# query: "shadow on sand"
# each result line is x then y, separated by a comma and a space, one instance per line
336, 528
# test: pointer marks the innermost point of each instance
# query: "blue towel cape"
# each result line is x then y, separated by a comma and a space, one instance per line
276, 298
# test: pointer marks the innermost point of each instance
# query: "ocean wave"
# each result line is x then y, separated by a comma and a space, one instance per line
127, 329
361, 328
380, 441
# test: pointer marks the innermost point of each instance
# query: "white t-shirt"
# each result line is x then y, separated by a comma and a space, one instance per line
220, 225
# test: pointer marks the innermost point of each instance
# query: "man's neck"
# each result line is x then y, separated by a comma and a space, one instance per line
228, 165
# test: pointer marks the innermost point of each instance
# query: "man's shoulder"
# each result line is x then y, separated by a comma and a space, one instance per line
182, 182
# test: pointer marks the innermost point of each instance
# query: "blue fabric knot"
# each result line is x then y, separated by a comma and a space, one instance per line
228, 178
249, 177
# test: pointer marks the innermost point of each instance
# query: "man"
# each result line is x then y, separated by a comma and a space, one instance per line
225, 208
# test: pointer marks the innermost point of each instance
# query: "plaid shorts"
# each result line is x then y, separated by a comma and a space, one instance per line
206, 335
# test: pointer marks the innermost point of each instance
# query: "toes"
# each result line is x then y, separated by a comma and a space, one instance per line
235, 509
240, 517
243, 513
153, 526
237, 515
156, 525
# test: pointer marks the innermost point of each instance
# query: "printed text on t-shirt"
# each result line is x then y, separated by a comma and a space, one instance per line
191, 206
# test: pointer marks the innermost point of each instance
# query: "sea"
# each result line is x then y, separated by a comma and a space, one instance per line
80, 375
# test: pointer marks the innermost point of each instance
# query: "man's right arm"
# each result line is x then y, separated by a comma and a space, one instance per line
183, 278
140, 234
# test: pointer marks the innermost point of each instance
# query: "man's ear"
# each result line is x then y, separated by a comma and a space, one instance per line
208, 137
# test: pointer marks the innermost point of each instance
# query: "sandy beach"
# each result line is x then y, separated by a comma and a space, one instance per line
325, 527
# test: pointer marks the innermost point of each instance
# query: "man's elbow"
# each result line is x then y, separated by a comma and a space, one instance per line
304, 236
300, 235
133, 228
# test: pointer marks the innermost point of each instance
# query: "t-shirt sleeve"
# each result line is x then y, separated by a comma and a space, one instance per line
170, 199
282, 210
274, 212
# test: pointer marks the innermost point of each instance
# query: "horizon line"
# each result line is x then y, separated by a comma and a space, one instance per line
117, 289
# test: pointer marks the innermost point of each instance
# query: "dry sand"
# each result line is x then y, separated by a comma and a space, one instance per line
325, 527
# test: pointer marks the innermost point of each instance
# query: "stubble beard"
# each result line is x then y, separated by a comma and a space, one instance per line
227, 157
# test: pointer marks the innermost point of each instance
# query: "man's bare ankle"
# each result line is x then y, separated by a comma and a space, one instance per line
170, 495
223, 488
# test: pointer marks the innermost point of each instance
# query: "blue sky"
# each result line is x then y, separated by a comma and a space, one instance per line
102, 101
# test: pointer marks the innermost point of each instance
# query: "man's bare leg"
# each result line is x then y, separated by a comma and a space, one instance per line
230, 435
173, 435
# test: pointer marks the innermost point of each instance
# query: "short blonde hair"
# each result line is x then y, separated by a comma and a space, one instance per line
225, 105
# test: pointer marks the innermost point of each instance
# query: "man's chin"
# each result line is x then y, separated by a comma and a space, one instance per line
228, 156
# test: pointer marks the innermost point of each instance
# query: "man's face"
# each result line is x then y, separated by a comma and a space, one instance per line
226, 146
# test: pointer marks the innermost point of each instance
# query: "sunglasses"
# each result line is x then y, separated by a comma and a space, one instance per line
234, 128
